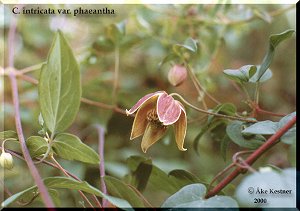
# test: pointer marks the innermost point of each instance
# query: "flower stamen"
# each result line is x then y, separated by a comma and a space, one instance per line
152, 118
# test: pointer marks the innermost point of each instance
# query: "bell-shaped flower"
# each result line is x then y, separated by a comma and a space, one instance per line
155, 112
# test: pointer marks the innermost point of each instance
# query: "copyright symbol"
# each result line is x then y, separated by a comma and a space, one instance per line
250, 190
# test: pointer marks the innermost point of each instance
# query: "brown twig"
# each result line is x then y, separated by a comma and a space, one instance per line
253, 157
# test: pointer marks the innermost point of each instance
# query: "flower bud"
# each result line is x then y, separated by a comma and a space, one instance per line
6, 160
177, 74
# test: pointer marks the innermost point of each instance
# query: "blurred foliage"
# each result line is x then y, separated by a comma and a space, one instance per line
226, 36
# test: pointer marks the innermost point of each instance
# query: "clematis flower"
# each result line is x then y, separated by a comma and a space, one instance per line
155, 112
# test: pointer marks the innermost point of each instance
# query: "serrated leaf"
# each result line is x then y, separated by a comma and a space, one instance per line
70, 147
59, 86
233, 131
8, 134
270, 181
68, 183
119, 189
37, 146
243, 74
193, 196
264, 127
274, 41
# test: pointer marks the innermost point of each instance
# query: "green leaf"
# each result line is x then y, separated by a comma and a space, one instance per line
268, 180
264, 127
8, 134
189, 45
158, 178
116, 32
290, 136
193, 196
224, 145
243, 74
183, 178
168, 58
68, 183
141, 175
274, 41
70, 147
266, 76
59, 86
226, 109
233, 131
37, 146
206, 128
119, 189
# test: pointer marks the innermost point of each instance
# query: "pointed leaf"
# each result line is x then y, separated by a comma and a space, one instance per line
193, 196
70, 147
68, 183
37, 146
59, 86
274, 41
233, 131
264, 127
119, 189
8, 134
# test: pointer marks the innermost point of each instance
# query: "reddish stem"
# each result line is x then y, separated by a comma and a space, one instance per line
14, 86
253, 157
101, 165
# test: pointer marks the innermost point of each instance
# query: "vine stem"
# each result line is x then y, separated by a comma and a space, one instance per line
100, 130
116, 76
211, 113
15, 95
197, 84
65, 173
253, 157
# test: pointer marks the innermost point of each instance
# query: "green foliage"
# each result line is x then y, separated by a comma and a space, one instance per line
234, 132
144, 172
274, 41
269, 128
59, 86
9, 134
37, 146
63, 182
121, 190
192, 196
70, 147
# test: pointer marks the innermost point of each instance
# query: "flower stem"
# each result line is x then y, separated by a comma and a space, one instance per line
14, 86
100, 130
65, 173
197, 84
211, 113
